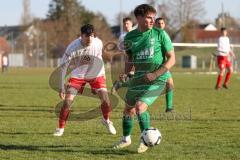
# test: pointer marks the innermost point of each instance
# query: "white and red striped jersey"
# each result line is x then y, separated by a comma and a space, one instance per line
85, 62
223, 47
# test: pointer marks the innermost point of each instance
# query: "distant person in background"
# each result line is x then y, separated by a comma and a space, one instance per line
127, 27
160, 23
224, 54
4, 63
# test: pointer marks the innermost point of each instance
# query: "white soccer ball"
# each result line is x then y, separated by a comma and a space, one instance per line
151, 137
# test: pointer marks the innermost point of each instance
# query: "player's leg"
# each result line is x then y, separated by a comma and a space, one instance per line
221, 66
99, 85
65, 110
106, 110
147, 99
228, 74
3, 68
127, 119
144, 122
127, 127
74, 87
143, 115
169, 94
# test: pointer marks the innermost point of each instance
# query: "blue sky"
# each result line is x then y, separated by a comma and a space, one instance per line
11, 10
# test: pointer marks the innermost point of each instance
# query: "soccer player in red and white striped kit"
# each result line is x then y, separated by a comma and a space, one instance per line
84, 55
224, 53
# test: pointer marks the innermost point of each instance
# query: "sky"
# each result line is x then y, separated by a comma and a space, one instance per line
11, 10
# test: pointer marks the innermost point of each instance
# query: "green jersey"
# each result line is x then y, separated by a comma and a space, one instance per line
147, 49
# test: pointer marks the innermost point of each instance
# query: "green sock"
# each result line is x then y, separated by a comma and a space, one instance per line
144, 120
169, 99
127, 125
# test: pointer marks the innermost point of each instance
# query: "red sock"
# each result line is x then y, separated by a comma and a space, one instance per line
228, 75
219, 80
63, 116
106, 109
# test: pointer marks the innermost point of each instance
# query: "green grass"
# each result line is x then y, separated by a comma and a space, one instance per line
205, 126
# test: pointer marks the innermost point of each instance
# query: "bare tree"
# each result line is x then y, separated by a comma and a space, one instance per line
182, 11
26, 15
228, 21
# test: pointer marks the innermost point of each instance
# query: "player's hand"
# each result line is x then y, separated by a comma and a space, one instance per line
149, 77
122, 77
234, 56
62, 94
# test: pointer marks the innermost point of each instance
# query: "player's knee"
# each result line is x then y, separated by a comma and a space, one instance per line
129, 111
140, 107
169, 86
67, 103
106, 105
230, 70
221, 72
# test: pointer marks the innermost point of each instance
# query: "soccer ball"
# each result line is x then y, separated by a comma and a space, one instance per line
151, 137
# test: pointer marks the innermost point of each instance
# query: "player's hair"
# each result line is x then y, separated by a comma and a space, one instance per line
143, 9
223, 29
87, 29
127, 19
159, 18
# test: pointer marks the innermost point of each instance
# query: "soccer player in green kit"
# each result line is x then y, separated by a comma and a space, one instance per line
146, 48
160, 23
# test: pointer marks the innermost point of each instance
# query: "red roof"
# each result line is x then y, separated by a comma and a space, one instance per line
203, 35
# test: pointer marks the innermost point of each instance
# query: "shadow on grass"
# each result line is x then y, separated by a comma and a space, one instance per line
20, 115
22, 108
25, 133
23, 87
63, 148
25, 110
108, 151
37, 148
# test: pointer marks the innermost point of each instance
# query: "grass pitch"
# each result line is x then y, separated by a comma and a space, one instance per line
205, 125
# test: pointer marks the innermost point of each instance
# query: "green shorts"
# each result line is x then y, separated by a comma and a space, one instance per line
146, 93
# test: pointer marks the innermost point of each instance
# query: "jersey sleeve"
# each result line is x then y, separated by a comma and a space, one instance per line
167, 43
219, 44
100, 48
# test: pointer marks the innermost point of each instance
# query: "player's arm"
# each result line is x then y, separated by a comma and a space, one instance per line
232, 54
128, 68
168, 49
128, 64
65, 61
164, 68
168, 64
